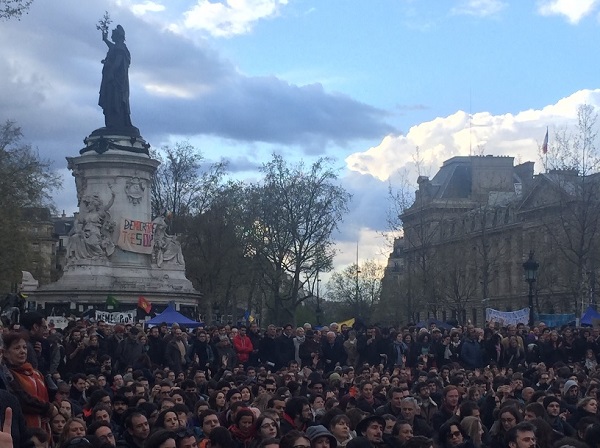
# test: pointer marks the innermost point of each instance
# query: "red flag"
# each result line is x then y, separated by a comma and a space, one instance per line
144, 304
545, 144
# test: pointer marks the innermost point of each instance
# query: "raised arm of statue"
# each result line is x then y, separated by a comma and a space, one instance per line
108, 43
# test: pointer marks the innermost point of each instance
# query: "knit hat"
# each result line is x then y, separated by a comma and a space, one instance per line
569, 384
549, 400
334, 376
314, 432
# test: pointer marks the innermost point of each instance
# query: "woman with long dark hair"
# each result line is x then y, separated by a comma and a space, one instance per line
451, 435
508, 417
168, 420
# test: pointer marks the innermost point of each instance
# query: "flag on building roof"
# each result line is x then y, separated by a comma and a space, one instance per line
545, 144
144, 304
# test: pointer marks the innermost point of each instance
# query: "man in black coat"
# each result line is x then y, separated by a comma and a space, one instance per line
14, 430
285, 346
255, 338
333, 352
156, 347
267, 350
38, 347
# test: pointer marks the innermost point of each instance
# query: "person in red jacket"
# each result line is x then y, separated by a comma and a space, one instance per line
243, 346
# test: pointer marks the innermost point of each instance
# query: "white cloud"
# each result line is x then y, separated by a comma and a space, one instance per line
228, 18
519, 135
480, 8
516, 135
139, 9
573, 10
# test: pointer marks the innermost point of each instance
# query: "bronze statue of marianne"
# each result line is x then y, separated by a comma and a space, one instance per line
114, 89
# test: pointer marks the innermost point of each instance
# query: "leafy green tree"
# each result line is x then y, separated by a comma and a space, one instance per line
216, 252
26, 180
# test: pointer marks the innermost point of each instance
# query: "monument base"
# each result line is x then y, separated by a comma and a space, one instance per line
90, 287
115, 247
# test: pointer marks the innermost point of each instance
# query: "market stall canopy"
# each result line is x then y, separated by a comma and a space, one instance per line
170, 316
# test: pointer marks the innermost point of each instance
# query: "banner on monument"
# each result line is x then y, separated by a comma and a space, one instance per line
136, 236
507, 317
121, 317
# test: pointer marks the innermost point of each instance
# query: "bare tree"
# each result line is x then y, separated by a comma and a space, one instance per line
14, 9
182, 185
295, 210
571, 215
457, 288
358, 289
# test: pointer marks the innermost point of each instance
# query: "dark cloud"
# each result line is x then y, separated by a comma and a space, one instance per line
242, 164
266, 110
50, 76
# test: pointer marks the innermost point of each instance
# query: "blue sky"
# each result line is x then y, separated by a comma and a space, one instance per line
363, 81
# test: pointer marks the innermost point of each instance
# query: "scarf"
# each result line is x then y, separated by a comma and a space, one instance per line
181, 347
32, 383
291, 421
447, 352
243, 435
400, 349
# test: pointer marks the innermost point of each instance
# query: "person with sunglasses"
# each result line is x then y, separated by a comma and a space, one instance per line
451, 435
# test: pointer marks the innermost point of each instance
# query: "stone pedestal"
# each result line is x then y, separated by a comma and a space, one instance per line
115, 248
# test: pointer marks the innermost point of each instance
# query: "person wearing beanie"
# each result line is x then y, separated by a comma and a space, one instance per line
552, 406
320, 437
570, 395
335, 377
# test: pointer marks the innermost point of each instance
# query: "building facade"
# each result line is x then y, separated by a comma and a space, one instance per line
472, 226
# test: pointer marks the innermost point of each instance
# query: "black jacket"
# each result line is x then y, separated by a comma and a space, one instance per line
20, 434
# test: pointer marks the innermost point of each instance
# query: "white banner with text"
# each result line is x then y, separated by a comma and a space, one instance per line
507, 317
121, 317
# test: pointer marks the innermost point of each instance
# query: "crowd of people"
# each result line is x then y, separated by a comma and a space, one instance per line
230, 386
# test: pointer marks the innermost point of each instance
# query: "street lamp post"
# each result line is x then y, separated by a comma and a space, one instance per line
318, 311
530, 267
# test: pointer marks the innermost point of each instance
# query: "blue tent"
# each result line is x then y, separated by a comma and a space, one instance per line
171, 316
589, 316
438, 323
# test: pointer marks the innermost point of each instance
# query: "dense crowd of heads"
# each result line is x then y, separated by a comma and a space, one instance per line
98, 385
